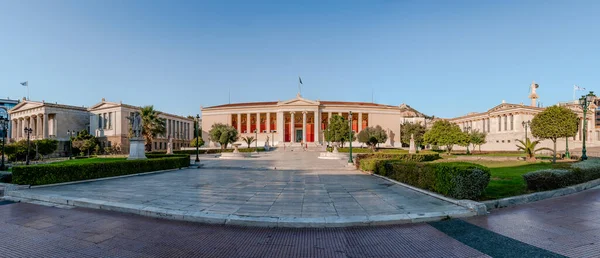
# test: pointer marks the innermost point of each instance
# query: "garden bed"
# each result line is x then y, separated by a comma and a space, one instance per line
93, 168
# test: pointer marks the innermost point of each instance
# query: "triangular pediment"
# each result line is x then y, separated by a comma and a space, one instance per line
103, 105
298, 101
25, 105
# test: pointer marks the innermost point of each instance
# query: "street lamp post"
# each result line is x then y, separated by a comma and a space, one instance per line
3, 130
526, 125
70, 134
256, 140
350, 136
197, 138
28, 131
467, 129
585, 101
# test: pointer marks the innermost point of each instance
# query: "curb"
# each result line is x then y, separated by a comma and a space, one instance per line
533, 197
230, 219
476, 207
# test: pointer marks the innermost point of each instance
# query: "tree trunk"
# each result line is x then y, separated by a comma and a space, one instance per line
554, 154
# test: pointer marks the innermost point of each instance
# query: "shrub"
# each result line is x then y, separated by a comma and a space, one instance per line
206, 151
5, 177
58, 173
547, 179
563, 175
459, 180
419, 157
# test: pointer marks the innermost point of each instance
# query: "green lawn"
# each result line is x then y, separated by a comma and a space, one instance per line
507, 176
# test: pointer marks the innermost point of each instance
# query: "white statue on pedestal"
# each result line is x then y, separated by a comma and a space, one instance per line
412, 149
170, 146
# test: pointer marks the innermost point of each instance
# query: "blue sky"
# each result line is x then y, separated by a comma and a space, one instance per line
444, 58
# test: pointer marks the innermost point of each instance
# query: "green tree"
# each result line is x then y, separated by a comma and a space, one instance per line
84, 142
339, 130
248, 140
417, 129
553, 123
444, 133
477, 138
371, 136
200, 142
152, 125
46, 146
18, 150
528, 147
223, 134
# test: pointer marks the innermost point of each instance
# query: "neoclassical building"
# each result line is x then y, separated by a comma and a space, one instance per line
109, 122
47, 120
504, 124
301, 120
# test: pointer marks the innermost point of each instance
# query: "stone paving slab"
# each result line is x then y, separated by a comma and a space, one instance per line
331, 196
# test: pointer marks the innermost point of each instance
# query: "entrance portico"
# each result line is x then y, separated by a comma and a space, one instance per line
300, 120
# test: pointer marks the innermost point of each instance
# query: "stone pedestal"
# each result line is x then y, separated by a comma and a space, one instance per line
137, 150
235, 148
412, 149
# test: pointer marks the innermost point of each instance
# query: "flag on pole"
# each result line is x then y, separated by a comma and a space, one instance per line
25, 83
575, 87
300, 79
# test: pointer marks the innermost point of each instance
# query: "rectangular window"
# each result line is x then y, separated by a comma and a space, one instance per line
156, 148
512, 121
109, 120
483, 125
99, 121
505, 123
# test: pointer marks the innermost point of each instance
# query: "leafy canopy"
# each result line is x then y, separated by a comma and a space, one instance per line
372, 136
417, 129
200, 142
553, 123
444, 133
338, 130
223, 134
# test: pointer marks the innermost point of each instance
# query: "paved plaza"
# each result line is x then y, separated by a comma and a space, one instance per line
245, 192
564, 226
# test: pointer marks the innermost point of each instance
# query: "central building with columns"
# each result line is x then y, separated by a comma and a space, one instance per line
300, 120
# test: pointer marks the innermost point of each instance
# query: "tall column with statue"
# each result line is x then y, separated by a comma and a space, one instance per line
137, 148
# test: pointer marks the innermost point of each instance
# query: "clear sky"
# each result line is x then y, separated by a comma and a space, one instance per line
444, 58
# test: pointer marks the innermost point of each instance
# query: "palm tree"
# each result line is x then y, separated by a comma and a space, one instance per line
529, 148
152, 125
249, 140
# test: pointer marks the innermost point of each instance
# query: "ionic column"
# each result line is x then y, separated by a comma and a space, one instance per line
45, 125
258, 123
292, 133
339, 113
239, 122
38, 131
317, 125
329, 118
359, 122
13, 126
304, 126
268, 124
280, 127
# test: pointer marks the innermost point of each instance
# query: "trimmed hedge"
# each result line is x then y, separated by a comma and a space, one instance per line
576, 173
367, 162
460, 180
59, 173
206, 151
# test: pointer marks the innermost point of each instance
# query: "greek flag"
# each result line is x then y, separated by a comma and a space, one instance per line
575, 87
25, 83
300, 79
